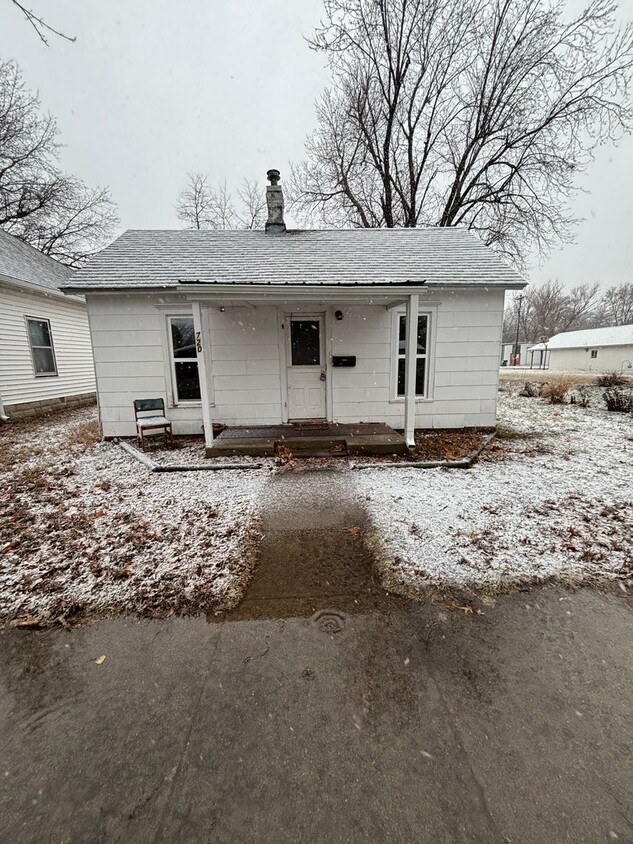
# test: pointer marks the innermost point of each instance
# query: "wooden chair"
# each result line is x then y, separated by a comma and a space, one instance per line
150, 416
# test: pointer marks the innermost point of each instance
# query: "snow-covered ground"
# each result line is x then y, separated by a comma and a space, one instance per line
86, 529
556, 503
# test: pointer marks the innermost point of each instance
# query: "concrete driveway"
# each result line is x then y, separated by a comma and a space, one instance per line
324, 710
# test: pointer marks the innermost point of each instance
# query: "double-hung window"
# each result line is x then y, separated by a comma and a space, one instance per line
421, 363
184, 362
41, 341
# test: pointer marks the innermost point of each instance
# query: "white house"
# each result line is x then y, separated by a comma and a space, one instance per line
591, 350
45, 352
254, 328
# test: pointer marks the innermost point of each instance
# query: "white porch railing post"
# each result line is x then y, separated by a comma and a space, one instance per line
200, 317
410, 366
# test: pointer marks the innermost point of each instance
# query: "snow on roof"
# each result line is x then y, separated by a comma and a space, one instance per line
435, 256
615, 335
24, 263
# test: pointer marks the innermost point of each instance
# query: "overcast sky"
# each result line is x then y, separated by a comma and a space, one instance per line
154, 88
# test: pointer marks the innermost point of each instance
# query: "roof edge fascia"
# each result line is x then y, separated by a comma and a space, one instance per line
56, 293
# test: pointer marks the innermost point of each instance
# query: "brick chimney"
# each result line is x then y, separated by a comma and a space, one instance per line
275, 200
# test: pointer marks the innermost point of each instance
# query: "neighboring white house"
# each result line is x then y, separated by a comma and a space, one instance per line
45, 352
590, 350
262, 328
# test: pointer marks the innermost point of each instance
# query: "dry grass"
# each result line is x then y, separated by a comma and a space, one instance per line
85, 434
507, 375
556, 389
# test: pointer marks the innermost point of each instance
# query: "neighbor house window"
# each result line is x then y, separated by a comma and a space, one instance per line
421, 363
594, 353
184, 361
42, 351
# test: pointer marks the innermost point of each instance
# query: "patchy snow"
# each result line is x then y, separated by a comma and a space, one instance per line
554, 503
84, 528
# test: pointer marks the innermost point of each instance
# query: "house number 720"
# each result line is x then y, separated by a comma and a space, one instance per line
198, 341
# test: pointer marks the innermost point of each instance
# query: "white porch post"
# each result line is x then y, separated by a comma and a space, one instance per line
200, 317
410, 363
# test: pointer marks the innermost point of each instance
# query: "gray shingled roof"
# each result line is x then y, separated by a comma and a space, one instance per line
22, 262
146, 259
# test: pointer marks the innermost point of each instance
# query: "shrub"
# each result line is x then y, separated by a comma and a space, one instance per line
611, 379
555, 391
531, 389
581, 396
620, 401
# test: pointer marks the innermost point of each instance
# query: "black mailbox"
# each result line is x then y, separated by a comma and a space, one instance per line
343, 360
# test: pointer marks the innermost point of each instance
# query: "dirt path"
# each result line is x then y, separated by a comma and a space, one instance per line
312, 556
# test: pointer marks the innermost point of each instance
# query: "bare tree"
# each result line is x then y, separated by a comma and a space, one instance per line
40, 26
477, 113
39, 203
200, 206
616, 306
548, 309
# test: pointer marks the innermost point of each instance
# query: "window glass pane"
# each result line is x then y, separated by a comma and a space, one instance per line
400, 376
402, 334
182, 337
44, 360
422, 321
187, 382
420, 372
38, 330
304, 342
419, 376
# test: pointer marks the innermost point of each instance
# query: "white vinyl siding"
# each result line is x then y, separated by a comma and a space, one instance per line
68, 321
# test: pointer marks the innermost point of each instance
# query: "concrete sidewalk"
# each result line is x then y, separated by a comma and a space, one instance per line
408, 726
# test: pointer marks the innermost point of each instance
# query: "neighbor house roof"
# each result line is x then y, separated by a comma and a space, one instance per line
435, 256
27, 265
615, 335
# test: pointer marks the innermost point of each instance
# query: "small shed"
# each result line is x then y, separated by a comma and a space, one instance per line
45, 350
592, 350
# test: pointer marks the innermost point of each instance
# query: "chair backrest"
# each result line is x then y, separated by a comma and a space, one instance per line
148, 406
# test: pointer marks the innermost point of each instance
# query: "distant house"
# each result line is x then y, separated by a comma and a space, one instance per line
590, 350
508, 357
45, 352
261, 328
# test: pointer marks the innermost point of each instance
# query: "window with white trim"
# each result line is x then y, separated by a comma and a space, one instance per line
184, 363
421, 363
41, 341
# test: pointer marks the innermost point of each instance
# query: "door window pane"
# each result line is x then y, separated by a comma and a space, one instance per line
305, 343
187, 381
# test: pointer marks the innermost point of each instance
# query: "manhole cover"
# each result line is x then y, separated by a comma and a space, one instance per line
329, 621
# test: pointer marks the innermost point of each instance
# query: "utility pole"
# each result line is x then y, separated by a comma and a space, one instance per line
517, 347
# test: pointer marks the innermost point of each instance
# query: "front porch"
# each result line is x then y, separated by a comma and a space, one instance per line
318, 439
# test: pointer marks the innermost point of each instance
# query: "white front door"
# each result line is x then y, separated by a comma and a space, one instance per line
306, 369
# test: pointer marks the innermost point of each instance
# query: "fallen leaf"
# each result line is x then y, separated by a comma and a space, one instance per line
355, 530
28, 623
100, 659
99, 514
